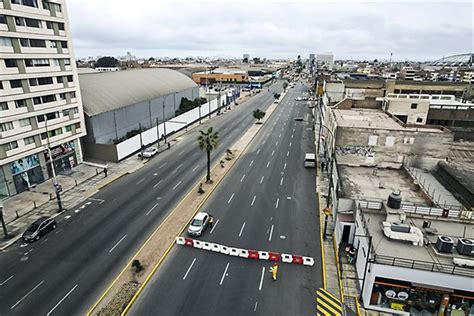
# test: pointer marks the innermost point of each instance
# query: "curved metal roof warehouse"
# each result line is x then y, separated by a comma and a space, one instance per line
107, 91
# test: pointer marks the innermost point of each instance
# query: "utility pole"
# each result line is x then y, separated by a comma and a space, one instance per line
5, 232
56, 185
164, 120
157, 133
141, 139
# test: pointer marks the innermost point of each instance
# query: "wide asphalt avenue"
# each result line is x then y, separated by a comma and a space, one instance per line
68, 269
266, 202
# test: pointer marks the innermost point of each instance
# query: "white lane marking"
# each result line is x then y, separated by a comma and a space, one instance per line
281, 181
77, 211
278, 201
121, 239
271, 233
256, 303
11, 277
180, 153
164, 164
284, 167
242, 179
261, 283
230, 199
268, 164
276, 144
177, 168
151, 209
214, 226
253, 200
261, 180
273, 152
67, 217
65, 296
225, 272
291, 136
97, 200
44, 241
264, 142
177, 184
279, 135
194, 169
258, 151
158, 183
290, 145
189, 269
242, 229
288, 153
31, 291
251, 163
140, 181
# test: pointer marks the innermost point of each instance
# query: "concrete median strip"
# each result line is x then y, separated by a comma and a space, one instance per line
127, 286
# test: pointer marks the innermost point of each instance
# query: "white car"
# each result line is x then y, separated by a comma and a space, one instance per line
150, 152
198, 224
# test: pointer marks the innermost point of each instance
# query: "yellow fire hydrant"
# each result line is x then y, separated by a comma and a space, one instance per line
274, 271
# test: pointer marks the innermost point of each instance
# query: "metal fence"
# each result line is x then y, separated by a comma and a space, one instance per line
424, 265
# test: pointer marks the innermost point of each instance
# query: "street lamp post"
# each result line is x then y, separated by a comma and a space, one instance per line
56, 185
4, 226
164, 119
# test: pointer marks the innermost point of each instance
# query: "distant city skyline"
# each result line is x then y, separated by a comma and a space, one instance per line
415, 31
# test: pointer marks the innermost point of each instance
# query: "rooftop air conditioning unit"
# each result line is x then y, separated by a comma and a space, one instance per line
465, 246
444, 244
400, 228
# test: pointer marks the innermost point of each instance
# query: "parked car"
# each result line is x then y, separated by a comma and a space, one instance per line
198, 224
39, 228
150, 152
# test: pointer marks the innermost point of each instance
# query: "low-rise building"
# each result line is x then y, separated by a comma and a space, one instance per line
411, 258
221, 76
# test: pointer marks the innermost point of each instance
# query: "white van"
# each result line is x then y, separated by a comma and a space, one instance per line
310, 160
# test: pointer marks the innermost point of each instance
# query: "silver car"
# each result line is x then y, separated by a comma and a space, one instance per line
198, 224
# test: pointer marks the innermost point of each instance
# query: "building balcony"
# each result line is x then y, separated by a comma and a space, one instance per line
39, 50
12, 91
34, 30
49, 87
50, 69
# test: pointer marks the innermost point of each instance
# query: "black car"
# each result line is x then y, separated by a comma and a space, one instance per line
39, 228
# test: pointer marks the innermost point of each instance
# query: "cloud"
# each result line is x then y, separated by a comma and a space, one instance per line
410, 30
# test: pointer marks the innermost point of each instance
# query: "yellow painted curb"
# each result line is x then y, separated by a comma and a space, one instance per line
338, 265
323, 263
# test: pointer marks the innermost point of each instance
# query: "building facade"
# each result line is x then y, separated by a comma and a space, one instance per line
40, 101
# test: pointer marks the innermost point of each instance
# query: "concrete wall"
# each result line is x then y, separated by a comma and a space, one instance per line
102, 152
402, 107
108, 126
424, 148
334, 91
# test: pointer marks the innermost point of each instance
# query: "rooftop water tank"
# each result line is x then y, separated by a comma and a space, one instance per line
395, 200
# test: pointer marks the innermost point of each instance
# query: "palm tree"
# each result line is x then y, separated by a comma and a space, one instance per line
208, 141
258, 114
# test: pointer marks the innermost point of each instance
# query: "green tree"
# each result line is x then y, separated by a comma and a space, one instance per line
107, 62
258, 114
276, 95
207, 141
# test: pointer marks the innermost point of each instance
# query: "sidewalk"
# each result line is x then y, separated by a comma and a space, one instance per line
78, 185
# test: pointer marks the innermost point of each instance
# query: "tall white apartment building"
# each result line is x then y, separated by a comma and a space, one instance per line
40, 101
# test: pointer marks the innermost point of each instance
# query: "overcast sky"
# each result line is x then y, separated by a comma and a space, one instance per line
423, 30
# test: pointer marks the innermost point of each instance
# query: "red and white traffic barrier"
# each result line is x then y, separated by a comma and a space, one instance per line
245, 253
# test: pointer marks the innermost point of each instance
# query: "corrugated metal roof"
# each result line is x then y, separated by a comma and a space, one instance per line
103, 92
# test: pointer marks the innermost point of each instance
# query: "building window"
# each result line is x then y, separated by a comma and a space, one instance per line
45, 5
67, 62
25, 122
59, 79
11, 145
48, 98
55, 63
10, 63
64, 44
3, 20
419, 120
29, 3
5, 42
45, 81
52, 44
36, 100
49, 25
3, 106
24, 42
15, 83
69, 128
414, 105
37, 62
69, 78
33, 23
6, 126
37, 43
62, 96
20, 103
29, 140
61, 26
56, 6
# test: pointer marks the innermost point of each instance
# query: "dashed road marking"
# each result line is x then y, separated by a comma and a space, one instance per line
121, 239
177, 184
214, 226
261, 180
268, 164
189, 269
158, 183
154, 206
281, 181
242, 229
11, 277
64, 297
261, 284
225, 273
271, 233
253, 200
277, 202
242, 179
230, 199
26, 295
251, 163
